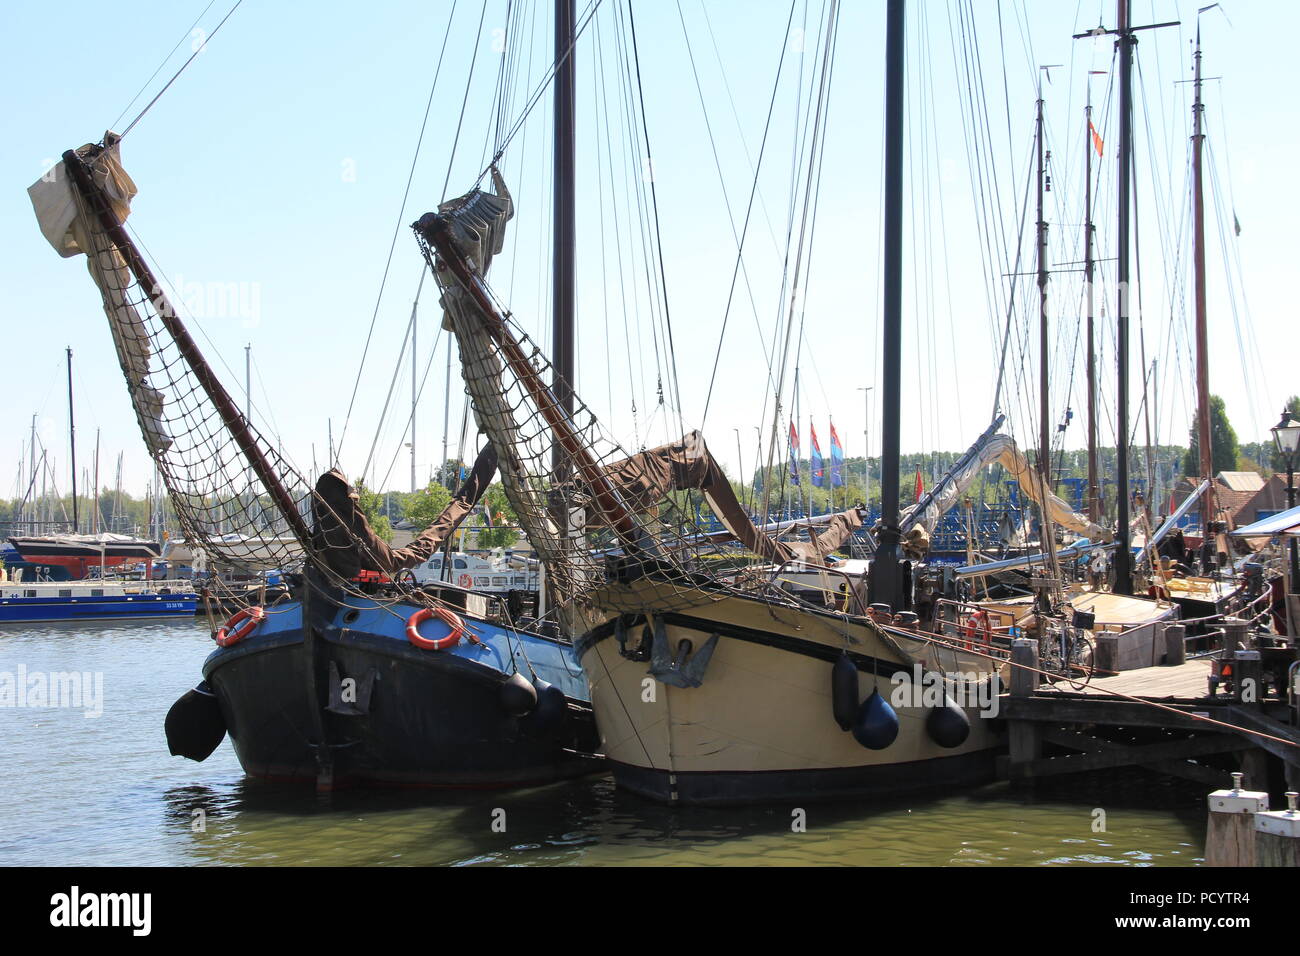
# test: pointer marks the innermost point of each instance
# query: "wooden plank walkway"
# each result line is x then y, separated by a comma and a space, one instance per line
1074, 718
1184, 682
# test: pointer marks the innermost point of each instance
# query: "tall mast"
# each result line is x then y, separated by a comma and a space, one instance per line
1125, 42
414, 307
1202, 336
446, 418
35, 511
72, 445
1123, 555
1044, 401
564, 209
95, 527
886, 574
1089, 271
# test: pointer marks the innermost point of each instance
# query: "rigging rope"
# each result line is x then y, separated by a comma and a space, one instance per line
401, 215
201, 47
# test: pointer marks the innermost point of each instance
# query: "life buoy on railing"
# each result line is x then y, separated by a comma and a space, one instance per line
974, 624
448, 617
465, 580
243, 623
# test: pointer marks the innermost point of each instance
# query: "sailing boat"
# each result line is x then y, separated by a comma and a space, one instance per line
708, 688
1211, 593
79, 553
1069, 618
354, 676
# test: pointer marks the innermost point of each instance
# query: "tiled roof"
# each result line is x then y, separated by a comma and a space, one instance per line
1250, 481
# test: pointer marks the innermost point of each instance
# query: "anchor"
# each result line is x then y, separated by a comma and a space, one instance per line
681, 669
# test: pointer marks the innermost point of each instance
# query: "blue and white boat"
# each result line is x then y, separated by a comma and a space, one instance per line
349, 699
29, 601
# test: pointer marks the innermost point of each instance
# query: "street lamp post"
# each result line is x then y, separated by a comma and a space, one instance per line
1286, 435
866, 445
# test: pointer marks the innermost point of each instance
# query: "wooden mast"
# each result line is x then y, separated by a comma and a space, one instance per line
1202, 336
1044, 399
231, 418
562, 310
1125, 42
1123, 554
886, 581
1089, 273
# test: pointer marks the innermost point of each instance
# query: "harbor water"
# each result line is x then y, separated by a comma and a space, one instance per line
91, 783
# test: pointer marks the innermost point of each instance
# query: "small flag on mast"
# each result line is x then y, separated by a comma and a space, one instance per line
920, 487
818, 466
837, 459
794, 455
1096, 137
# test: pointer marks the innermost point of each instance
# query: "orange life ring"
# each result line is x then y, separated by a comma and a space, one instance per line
465, 580
977, 621
450, 618
250, 618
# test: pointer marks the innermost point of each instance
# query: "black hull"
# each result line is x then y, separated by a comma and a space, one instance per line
420, 719
838, 783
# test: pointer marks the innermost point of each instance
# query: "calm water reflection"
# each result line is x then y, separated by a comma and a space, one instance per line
104, 790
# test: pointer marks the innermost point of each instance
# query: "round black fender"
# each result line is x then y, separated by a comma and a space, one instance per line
876, 723
552, 708
517, 695
194, 724
844, 691
948, 726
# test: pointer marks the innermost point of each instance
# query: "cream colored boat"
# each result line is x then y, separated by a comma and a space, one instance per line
761, 726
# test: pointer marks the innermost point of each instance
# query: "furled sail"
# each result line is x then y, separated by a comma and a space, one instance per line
70, 227
993, 448
344, 540
643, 480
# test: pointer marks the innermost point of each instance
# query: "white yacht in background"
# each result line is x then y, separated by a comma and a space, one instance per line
495, 573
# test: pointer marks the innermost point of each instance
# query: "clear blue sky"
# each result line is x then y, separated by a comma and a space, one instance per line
276, 165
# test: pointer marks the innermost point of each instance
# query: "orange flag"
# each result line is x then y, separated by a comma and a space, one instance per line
920, 488
1096, 137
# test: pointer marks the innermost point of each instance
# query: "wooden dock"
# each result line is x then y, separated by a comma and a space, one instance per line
1162, 718
1182, 682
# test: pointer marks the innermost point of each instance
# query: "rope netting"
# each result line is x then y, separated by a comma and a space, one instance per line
241, 505
581, 498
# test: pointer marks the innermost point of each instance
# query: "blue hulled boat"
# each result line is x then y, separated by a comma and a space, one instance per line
30, 601
350, 700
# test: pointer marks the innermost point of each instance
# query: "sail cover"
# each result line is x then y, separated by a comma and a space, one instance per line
643, 480
345, 541
69, 227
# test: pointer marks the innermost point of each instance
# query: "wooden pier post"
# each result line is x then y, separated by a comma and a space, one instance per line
1277, 835
1024, 738
1024, 667
1230, 832
1235, 633
1175, 645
